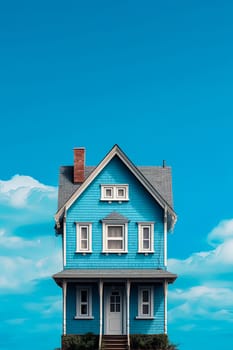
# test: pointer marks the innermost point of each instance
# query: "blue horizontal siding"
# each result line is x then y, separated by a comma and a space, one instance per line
154, 326
140, 207
74, 326
150, 326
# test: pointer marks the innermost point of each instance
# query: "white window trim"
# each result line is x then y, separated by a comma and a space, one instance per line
78, 315
141, 225
114, 190
79, 226
150, 289
104, 190
125, 239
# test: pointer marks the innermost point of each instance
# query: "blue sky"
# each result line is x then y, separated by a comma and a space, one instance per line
155, 77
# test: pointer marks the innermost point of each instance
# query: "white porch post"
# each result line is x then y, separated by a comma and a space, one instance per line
165, 307
101, 312
64, 290
128, 312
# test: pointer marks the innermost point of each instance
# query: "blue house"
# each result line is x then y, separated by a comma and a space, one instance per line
114, 219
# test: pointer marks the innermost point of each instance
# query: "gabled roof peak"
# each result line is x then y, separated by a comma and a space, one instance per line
144, 176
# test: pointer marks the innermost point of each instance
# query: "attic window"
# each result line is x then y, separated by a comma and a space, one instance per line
114, 192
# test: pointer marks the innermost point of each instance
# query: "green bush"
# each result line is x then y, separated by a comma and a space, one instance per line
151, 342
88, 341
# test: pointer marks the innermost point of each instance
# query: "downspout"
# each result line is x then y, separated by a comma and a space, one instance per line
101, 312
64, 289
165, 237
165, 265
64, 239
128, 312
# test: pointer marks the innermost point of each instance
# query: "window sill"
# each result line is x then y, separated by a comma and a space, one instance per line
110, 200
144, 318
146, 253
83, 317
114, 252
83, 253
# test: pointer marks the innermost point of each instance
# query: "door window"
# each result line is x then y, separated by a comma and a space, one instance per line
115, 302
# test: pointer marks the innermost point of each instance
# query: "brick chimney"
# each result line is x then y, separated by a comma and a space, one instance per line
79, 165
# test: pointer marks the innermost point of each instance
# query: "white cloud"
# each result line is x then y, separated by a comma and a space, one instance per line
26, 211
212, 298
222, 232
48, 306
209, 295
219, 259
19, 189
15, 242
202, 303
18, 274
216, 261
13, 271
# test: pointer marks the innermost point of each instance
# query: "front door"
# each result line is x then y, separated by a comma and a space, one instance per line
113, 312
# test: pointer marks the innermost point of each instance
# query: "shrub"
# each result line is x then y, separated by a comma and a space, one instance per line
151, 342
88, 341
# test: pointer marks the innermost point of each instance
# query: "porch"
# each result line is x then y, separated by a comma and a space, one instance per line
114, 302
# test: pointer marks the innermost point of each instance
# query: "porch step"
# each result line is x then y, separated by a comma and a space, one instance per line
114, 342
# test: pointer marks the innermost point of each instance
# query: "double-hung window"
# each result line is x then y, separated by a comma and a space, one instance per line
145, 302
83, 302
114, 238
145, 237
83, 237
115, 232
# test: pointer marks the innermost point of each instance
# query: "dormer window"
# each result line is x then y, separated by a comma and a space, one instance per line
114, 193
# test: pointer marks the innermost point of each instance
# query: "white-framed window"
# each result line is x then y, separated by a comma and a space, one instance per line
107, 192
83, 303
121, 192
83, 237
145, 302
114, 192
145, 237
115, 238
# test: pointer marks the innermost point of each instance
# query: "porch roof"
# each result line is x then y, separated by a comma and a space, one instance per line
134, 275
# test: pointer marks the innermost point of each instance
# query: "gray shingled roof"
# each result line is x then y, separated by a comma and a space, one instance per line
120, 274
115, 217
159, 177
66, 185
